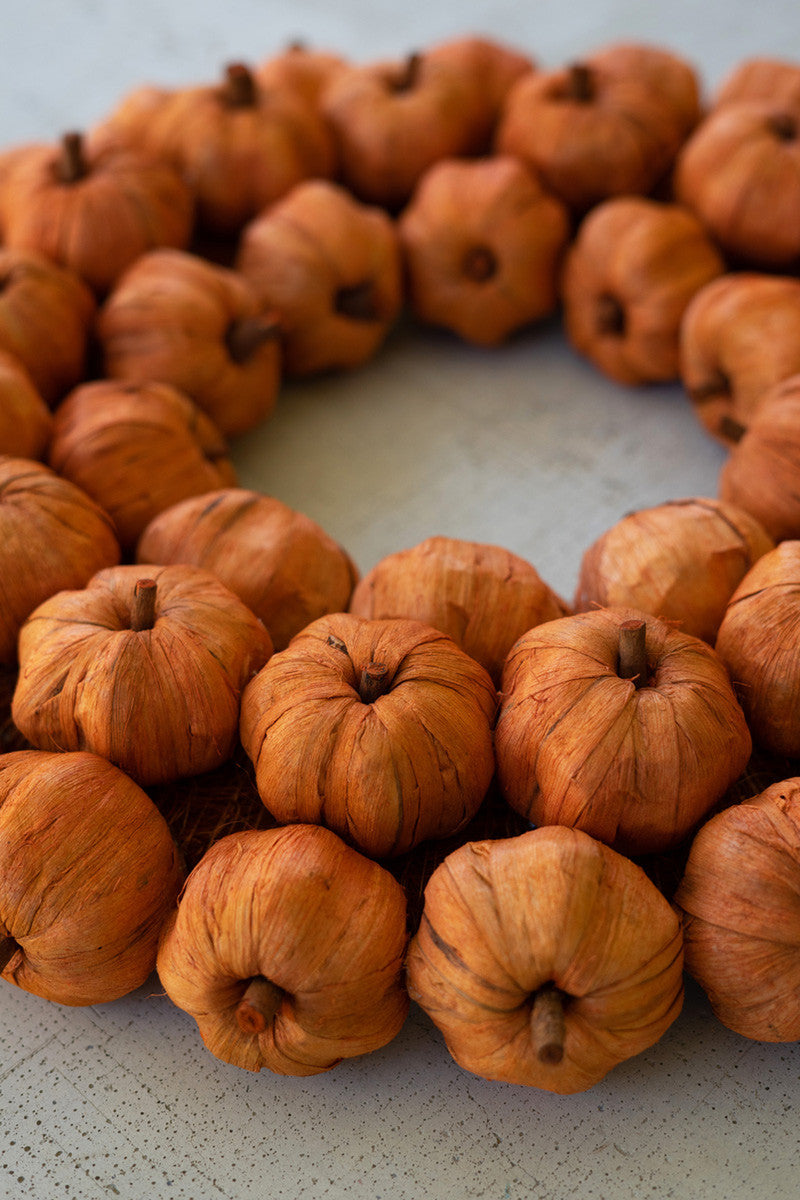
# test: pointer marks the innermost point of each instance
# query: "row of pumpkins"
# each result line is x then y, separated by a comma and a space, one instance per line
161, 277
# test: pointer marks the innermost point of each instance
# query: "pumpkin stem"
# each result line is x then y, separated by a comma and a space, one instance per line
72, 163
610, 315
245, 336
239, 89
337, 643
632, 660
580, 84
784, 126
479, 263
8, 948
409, 73
547, 1024
258, 1006
731, 429
357, 301
143, 609
373, 682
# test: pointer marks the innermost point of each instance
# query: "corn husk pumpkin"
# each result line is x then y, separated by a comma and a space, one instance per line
380, 730
89, 873
740, 904
482, 596
614, 723
143, 668
287, 949
680, 561
546, 959
283, 565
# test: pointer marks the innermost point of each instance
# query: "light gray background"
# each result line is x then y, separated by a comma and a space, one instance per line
526, 447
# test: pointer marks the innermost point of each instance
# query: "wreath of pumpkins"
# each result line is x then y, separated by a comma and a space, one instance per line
314, 744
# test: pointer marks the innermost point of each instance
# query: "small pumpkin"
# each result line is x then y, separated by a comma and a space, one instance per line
25, 420
740, 335
741, 913
615, 723
607, 125
299, 68
546, 959
283, 565
46, 318
287, 949
94, 210
628, 277
761, 78
482, 244
144, 669
494, 66
179, 319
330, 267
52, 536
681, 561
484, 597
380, 730
137, 448
89, 875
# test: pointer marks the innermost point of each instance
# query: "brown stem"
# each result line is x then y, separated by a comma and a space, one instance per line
258, 1006
479, 264
580, 85
609, 315
71, 163
357, 301
547, 1024
239, 89
409, 73
730, 429
373, 682
8, 948
245, 335
143, 609
784, 126
632, 663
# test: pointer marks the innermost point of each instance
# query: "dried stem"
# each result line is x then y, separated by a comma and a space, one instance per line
784, 126
239, 89
8, 948
258, 1006
143, 609
547, 1024
71, 163
479, 264
609, 315
731, 429
245, 336
632, 662
580, 85
357, 301
373, 682
409, 73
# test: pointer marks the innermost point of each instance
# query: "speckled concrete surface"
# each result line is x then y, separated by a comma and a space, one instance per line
527, 447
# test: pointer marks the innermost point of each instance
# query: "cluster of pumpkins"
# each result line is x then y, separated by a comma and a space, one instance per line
160, 277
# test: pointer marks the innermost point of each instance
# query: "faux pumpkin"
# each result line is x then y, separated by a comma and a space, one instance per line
681, 561
94, 210
605, 126
482, 596
283, 565
25, 419
494, 66
330, 267
627, 280
137, 449
482, 243
287, 949
299, 68
393, 118
741, 913
615, 723
740, 173
380, 730
739, 336
145, 669
176, 318
546, 959
760, 474
46, 316
759, 643
89, 875
52, 536
761, 78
